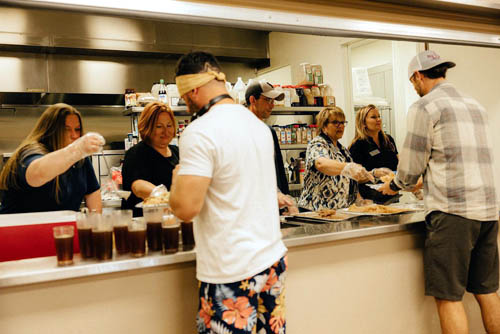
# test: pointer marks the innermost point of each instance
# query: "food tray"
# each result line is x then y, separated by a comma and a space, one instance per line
314, 217
403, 209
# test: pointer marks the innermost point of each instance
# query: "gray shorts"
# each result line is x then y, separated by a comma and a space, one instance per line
460, 254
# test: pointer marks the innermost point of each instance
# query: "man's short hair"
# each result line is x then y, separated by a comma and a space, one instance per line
436, 72
196, 62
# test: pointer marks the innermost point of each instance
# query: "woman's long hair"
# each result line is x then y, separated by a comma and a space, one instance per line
47, 136
362, 130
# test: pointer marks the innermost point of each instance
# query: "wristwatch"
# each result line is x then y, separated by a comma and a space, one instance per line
394, 186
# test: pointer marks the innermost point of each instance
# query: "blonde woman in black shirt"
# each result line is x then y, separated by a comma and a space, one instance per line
373, 148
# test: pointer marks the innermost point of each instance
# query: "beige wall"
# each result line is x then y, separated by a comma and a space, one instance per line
364, 285
370, 285
294, 49
371, 53
158, 300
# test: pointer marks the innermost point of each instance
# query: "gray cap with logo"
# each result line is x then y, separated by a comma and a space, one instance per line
263, 87
426, 60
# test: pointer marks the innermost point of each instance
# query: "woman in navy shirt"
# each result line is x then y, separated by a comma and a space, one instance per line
51, 170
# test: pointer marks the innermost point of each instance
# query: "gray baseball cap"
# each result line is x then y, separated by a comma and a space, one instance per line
426, 60
263, 88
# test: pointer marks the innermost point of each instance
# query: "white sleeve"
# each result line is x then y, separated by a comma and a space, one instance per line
197, 154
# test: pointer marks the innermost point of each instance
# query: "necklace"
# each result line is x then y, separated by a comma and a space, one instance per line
209, 105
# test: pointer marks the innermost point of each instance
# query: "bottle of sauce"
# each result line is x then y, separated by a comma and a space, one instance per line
162, 92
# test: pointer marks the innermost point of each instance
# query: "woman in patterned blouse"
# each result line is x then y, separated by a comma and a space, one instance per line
331, 178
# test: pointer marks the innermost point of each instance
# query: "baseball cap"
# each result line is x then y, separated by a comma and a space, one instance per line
263, 87
426, 60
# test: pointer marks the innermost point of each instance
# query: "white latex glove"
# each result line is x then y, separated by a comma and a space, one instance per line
363, 202
379, 172
357, 172
85, 146
419, 194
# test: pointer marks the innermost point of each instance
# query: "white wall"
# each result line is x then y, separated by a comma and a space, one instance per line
477, 74
294, 49
371, 53
404, 93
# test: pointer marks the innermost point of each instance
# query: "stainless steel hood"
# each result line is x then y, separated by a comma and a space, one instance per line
58, 51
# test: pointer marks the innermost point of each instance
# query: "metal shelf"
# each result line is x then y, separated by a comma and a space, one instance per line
293, 146
182, 110
280, 110
295, 186
135, 111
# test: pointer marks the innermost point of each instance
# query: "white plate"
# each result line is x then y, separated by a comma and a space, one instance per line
123, 194
375, 186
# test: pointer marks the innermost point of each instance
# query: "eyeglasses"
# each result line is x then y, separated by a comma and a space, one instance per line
338, 123
267, 99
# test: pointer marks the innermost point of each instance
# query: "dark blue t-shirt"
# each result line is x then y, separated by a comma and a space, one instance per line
75, 183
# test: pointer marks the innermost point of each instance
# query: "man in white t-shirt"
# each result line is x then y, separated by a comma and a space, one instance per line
225, 182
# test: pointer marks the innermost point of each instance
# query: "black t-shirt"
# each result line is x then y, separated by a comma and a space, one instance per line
281, 178
366, 153
142, 162
75, 183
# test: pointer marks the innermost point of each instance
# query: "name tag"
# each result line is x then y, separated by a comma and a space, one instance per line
374, 152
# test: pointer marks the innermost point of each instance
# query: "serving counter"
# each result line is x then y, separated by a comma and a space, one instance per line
363, 275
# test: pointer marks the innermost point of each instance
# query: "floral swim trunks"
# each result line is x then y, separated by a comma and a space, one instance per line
255, 305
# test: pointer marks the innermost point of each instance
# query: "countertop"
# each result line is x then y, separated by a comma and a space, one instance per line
295, 233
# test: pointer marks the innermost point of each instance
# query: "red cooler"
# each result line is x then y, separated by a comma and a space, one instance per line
29, 235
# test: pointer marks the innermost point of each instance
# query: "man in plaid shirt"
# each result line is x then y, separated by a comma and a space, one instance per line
447, 142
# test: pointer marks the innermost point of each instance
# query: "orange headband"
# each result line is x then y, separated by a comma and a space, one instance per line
188, 82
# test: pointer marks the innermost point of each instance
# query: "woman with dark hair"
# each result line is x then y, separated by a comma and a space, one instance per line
50, 170
150, 162
373, 148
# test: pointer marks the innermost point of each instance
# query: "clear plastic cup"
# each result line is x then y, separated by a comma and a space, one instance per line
187, 236
120, 229
137, 237
153, 216
170, 234
102, 236
63, 238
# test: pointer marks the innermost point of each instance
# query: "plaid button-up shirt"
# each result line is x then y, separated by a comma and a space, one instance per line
447, 142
